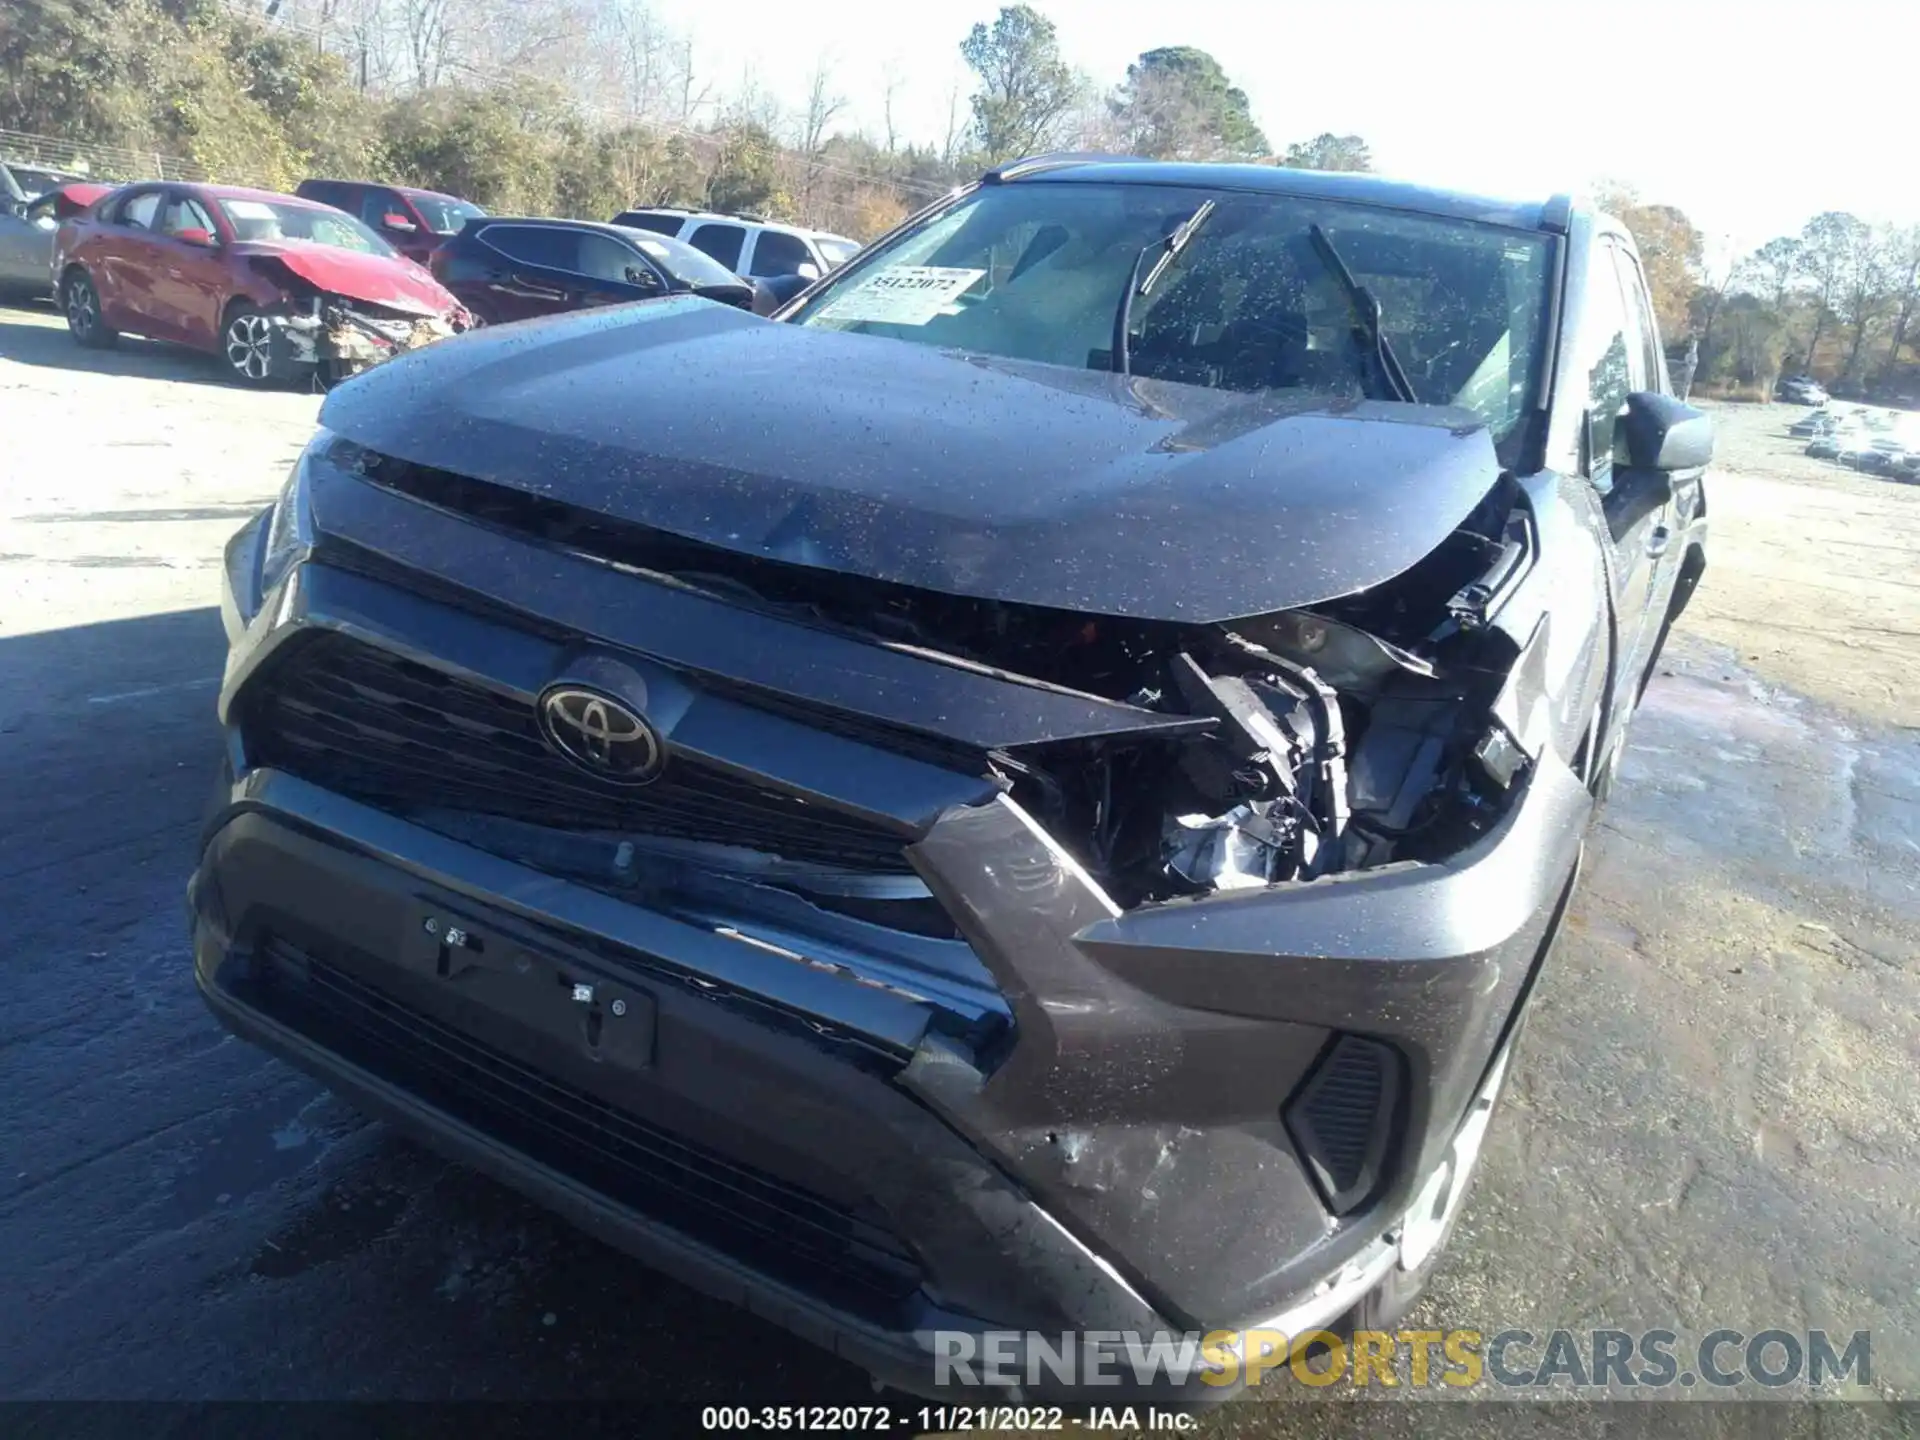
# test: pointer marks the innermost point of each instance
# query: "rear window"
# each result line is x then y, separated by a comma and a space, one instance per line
657, 221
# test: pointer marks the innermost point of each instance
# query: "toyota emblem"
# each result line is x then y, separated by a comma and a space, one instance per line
601, 735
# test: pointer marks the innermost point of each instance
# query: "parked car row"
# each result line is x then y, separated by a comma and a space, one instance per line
1879, 442
344, 273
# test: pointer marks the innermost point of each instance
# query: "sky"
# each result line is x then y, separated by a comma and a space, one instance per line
1695, 103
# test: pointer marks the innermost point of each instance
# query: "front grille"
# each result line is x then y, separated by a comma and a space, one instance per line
777, 1228
371, 725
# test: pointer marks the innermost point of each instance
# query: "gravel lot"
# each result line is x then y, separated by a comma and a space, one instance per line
1715, 1121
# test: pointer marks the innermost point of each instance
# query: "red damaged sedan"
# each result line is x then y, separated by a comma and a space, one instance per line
281, 289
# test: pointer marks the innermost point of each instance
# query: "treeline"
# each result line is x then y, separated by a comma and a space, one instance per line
1839, 301
587, 107
572, 107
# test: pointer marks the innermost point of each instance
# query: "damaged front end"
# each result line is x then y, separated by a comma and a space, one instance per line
1121, 972
333, 336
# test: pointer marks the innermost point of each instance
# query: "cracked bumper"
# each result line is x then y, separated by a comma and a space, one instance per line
1113, 1160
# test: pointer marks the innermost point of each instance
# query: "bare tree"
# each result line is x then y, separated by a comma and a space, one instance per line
1904, 258
1866, 291
428, 25
889, 90
1711, 298
823, 104
1825, 245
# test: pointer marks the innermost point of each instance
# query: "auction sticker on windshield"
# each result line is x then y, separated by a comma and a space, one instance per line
902, 295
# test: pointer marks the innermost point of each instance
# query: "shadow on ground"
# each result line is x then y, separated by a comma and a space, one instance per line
183, 1217
53, 347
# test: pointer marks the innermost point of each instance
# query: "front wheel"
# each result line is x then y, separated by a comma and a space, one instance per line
255, 351
82, 304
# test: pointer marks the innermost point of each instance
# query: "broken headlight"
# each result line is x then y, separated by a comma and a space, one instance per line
290, 524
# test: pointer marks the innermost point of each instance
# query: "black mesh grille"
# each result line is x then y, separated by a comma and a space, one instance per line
368, 724
1342, 1119
774, 1226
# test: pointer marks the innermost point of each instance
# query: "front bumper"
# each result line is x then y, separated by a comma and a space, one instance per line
1078, 1130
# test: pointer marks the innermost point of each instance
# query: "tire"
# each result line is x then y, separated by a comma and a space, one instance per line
254, 352
81, 303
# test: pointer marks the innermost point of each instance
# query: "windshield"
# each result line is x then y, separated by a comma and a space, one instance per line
692, 268
444, 216
35, 182
1037, 270
274, 220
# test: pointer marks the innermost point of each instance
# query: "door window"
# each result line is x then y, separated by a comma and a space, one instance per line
1604, 359
1642, 333
778, 253
139, 210
548, 246
722, 242
607, 260
376, 204
183, 212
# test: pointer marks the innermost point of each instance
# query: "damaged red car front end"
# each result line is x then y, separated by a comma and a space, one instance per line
281, 289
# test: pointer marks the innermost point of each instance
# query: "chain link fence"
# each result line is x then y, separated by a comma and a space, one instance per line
106, 163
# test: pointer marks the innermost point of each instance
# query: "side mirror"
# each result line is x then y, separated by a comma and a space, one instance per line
194, 235
1658, 432
807, 271
399, 224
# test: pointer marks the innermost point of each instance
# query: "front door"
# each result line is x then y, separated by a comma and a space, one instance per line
190, 272
1637, 503
123, 261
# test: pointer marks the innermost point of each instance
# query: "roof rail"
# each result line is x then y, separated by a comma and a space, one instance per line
1053, 160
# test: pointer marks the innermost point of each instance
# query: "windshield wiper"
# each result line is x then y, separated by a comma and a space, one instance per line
1169, 246
1366, 311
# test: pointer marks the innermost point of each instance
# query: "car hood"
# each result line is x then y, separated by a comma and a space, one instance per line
951, 472
375, 279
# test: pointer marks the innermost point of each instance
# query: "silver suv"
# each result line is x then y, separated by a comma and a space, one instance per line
748, 246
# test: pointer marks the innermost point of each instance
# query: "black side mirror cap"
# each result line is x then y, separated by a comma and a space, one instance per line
1658, 432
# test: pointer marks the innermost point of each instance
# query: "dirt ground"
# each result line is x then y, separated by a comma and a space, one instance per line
1812, 580
1715, 1120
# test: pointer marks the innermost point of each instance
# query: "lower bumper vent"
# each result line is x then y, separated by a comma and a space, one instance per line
1342, 1119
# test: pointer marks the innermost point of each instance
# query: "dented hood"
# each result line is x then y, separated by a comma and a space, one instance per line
375, 279
957, 473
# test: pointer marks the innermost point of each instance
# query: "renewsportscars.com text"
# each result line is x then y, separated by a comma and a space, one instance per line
1512, 1360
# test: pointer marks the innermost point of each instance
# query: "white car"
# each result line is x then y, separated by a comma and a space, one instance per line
757, 249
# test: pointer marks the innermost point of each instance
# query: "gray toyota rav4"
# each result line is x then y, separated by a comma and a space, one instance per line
1029, 791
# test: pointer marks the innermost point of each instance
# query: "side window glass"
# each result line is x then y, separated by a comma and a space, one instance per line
722, 242
1604, 359
185, 213
549, 248
376, 205
140, 210
778, 253
1642, 333
609, 260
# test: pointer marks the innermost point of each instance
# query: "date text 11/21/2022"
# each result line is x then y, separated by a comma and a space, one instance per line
940, 1419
